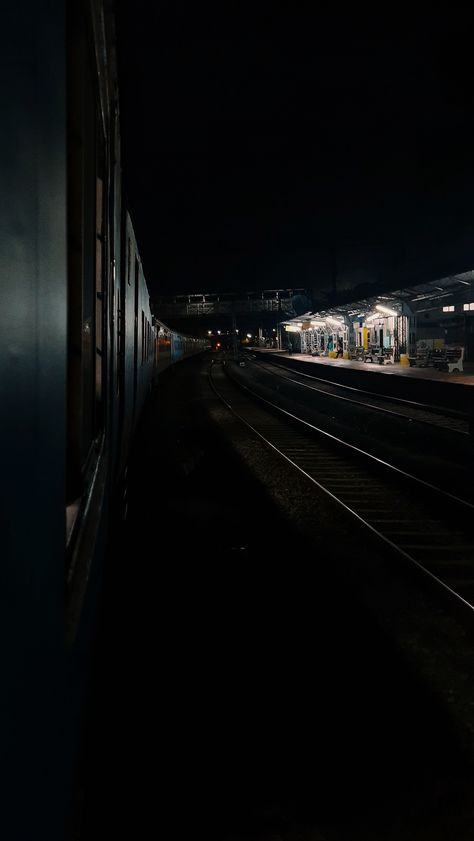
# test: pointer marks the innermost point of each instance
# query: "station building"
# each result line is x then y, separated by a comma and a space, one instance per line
427, 324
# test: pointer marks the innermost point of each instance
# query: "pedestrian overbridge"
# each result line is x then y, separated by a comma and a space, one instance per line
287, 302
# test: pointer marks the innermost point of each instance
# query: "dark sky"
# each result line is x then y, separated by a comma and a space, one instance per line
259, 139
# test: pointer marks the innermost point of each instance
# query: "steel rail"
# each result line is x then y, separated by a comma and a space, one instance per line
402, 525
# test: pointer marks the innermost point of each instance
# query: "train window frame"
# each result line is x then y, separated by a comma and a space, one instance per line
87, 272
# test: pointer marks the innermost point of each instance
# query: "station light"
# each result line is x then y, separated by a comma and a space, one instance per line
218, 332
385, 310
372, 316
209, 332
249, 335
334, 321
317, 323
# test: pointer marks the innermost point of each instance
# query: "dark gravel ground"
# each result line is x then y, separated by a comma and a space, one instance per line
250, 681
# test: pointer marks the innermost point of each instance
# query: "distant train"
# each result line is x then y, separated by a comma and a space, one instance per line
80, 349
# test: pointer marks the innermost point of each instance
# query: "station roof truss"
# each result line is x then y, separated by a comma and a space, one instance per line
455, 289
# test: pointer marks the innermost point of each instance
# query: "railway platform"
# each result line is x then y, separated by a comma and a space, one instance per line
395, 369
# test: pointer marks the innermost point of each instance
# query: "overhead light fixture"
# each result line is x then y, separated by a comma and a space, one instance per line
372, 316
385, 310
318, 323
334, 321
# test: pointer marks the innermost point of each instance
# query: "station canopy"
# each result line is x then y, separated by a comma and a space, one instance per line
423, 297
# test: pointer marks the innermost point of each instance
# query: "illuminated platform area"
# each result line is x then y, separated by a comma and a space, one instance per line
395, 368
425, 331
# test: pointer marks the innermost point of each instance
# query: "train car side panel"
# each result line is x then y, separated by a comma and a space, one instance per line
129, 339
144, 357
77, 344
116, 315
33, 338
89, 286
162, 347
177, 347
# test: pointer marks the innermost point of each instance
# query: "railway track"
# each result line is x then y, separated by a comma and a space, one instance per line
424, 525
406, 410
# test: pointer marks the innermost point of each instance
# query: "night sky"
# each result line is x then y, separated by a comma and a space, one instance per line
267, 145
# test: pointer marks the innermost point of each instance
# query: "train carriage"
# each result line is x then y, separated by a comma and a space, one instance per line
79, 350
136, 341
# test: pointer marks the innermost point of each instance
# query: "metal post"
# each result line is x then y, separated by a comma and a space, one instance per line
234, 334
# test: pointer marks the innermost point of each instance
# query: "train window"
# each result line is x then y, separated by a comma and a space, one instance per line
86, 264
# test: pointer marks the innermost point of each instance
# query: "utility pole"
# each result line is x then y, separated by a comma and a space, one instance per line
334, 270
234, 333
